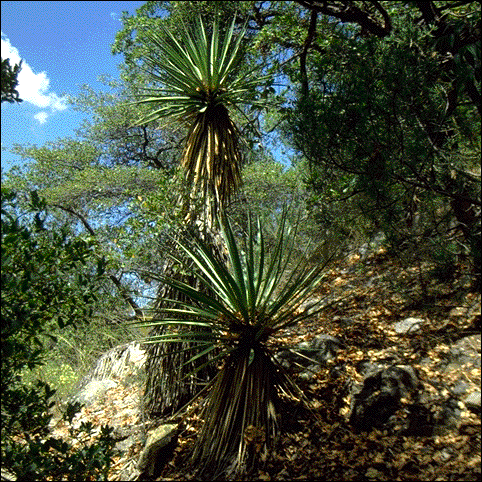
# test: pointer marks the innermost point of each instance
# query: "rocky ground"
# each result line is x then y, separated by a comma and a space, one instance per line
390, 372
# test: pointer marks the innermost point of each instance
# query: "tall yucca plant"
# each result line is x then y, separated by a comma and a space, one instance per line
252, 296
196, 79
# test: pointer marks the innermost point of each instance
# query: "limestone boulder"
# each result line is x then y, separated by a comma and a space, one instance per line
159, 447
94, 391
408, 325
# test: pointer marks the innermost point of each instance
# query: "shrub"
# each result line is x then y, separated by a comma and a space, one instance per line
49, 279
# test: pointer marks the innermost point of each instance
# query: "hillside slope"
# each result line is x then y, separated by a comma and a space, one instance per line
434, 432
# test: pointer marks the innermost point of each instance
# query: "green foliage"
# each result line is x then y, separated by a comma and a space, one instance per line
252, 295
77, 349
40, 458
10, 81
70, 173
267, 187
106, 202
52, 165
175, 16
445, 258
54, 372
41, 270
114, 134
48, 283
383, 143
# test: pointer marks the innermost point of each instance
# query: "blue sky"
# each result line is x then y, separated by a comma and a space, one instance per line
63, 45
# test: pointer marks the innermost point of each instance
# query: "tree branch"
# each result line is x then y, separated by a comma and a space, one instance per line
428, 11
349, 12
311, 35
122, 289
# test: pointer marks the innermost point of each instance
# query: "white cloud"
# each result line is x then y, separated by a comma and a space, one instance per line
41, 117
33, 88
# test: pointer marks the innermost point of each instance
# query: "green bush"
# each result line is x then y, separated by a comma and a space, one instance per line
56, 373
49, 282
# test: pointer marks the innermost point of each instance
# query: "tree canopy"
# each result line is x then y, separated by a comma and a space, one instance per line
10, 81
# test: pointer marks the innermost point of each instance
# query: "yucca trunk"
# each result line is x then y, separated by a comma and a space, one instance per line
169, 385
212, 160
240, 418
167, 388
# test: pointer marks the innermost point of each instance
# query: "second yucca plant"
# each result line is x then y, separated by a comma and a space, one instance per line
255, 293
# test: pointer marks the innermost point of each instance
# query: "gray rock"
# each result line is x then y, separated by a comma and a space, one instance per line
460, 387
326, 345
310, 355
378, 397
313, 353
129, 471
449, 419
408, 325
472, 401
465, 350
344, 322
159, 447
119, 362
372, 245
94, 390
121, 432
127, 443
368, 368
